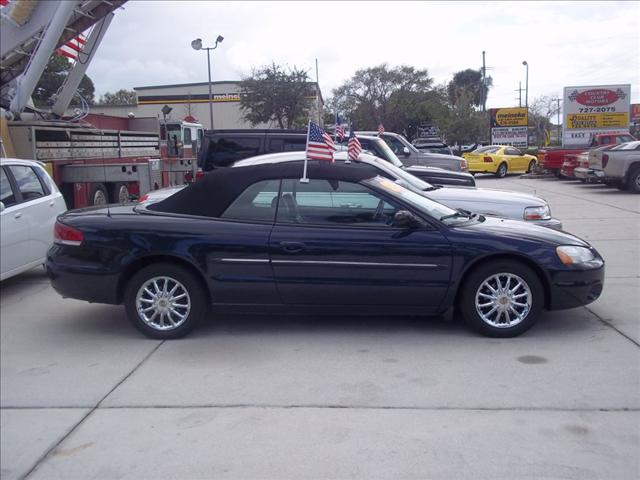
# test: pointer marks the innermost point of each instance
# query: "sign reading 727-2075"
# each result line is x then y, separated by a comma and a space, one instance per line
597, 109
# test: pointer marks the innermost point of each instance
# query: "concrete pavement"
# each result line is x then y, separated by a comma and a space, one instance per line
83, 395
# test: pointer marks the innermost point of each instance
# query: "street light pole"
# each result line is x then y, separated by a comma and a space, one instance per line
526, 85
197, 45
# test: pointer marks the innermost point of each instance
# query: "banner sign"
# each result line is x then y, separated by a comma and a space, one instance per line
514, 136
635, 113
509, 126
509, 117
592, 110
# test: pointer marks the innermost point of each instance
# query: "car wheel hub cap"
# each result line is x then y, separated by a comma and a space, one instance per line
163, 303
503, 300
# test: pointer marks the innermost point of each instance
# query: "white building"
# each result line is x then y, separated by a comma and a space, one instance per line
193, 99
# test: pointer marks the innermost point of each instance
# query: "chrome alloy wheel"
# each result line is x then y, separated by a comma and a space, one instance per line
99, 198
163, 303
123, 194
503, 300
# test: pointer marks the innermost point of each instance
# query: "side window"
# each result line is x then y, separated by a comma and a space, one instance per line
225, 151
332, 202
256, 203
287, 144
7, 196
605, 141
186, 134
28, 182
512, 151
395, 144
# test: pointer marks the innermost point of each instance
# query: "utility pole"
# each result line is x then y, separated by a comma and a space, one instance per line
519, 90
559, 131
484, 84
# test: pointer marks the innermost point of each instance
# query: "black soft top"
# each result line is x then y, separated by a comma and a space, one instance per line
211, 196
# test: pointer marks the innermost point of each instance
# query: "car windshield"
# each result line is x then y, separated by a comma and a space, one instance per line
489, 149
389, 153
627, 146
419, 202
403, 175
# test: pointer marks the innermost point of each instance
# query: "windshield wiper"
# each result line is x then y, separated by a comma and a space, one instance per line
460, 212
431, 188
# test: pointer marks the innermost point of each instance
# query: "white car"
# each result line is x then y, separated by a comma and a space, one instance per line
29, 205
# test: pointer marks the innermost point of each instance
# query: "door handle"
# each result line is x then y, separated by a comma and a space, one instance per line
292, 247
18, 215
52, 203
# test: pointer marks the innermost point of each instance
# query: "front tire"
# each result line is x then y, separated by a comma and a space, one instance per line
501, 172
532, 166
165, 301
501, 299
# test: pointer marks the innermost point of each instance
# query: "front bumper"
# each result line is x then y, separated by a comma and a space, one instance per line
574, 288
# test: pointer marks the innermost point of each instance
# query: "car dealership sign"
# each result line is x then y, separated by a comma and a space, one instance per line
592, 110
509, 126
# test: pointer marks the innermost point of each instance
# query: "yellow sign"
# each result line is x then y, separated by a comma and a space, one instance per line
512, 117
597, 120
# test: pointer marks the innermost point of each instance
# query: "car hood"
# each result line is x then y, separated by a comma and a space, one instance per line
518, 229
486, 195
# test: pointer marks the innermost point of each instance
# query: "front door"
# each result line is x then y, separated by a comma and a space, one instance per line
333, 244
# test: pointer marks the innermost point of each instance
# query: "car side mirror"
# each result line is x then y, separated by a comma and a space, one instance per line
406, 151
1, 206
405, 219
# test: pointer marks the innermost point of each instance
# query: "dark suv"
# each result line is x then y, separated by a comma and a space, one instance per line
221, 148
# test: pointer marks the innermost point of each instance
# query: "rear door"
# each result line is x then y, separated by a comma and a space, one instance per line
333, 244
14, 228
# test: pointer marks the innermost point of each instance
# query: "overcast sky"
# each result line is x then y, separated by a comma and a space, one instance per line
565, 43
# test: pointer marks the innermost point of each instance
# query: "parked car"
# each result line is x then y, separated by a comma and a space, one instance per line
551, 158
29, 205
349, 241
499, 159
619, 166
223, 147
401, 147
582, 171
426, 146
485, 201
379, 146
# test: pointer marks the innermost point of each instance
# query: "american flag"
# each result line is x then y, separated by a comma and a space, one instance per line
320, 146
73, 47
380, 129
354, 147
339, 129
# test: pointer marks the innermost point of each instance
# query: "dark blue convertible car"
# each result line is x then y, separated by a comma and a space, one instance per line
348, 241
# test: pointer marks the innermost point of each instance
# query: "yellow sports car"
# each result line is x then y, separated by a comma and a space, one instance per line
499, 159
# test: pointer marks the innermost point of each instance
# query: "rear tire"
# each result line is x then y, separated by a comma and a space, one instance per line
633, 182
165, 301
98, 194
501, 172
119, 193
518, 294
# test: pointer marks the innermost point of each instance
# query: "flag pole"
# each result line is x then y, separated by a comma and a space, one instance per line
304, 178
348, 160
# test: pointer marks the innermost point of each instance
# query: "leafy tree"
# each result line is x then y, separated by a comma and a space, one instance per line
467, 86
52, 79
377, 94
542, 112
277, 94
121, 97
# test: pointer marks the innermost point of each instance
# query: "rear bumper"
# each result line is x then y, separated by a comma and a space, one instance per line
570, 289
585, 173
82, 283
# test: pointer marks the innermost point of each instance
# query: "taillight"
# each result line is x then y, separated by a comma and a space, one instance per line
144, 198
66, 235
487, 160
463, 165
199, 174
605, 160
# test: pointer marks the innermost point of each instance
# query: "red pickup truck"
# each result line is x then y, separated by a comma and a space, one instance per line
551, 159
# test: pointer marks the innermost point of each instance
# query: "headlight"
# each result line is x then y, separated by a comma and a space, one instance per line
537, 213
573, 255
